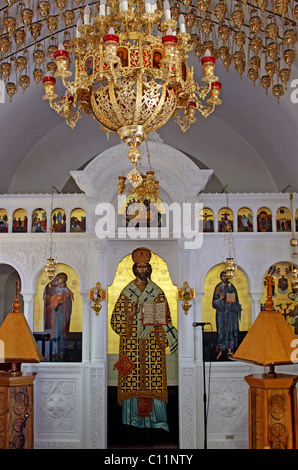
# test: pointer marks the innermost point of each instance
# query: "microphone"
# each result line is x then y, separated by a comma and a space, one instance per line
201, 323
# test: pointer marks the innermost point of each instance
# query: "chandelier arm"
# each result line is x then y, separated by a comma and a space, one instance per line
73, 118
56, 106
205, 110
70, 86
202, 92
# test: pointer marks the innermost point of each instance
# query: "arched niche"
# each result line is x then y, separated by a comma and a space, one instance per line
39, 221
211, 282
3, 221
58, 220
283, 220
118, 432
225, 220
281, 272
58, 311
20, 221
8, 278
206, 220
149, 213
264, 220
245, 220
78, 220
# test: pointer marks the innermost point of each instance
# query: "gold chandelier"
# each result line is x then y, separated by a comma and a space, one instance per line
131, 80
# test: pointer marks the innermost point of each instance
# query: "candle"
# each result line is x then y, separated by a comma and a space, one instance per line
102, 8
147, 7
108, 10
111, 31
182, 26
61, 47
207, 53
86, 14
166, 10
124, 5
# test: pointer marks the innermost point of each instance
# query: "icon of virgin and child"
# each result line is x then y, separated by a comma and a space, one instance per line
58, 299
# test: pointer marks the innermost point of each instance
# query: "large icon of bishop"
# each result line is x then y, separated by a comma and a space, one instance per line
142, 319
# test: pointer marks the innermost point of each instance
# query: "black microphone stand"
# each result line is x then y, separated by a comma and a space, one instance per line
204, 391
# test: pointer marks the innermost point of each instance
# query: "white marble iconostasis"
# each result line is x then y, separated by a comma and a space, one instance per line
71, 398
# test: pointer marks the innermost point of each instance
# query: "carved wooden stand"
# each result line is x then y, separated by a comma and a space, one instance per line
272, 411
16, 410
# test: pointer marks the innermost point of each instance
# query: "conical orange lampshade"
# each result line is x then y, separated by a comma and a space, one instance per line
19, 344
269, 338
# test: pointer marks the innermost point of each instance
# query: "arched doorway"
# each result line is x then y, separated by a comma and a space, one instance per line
57, 325
8, 278
139, 433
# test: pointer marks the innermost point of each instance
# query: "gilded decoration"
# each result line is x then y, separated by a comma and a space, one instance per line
281, 273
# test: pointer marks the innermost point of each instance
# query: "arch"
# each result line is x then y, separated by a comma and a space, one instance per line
3, 221
78, 220
160, 369
39, 220
8, 277
149, 213
124, 274
56, 300
283, 220
264, 220
281, 272
206, 220
178, 175
225, 220
240, 281
58, 220
244, 220
20, 221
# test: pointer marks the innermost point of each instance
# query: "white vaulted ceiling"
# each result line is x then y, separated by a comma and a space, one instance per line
250, 141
